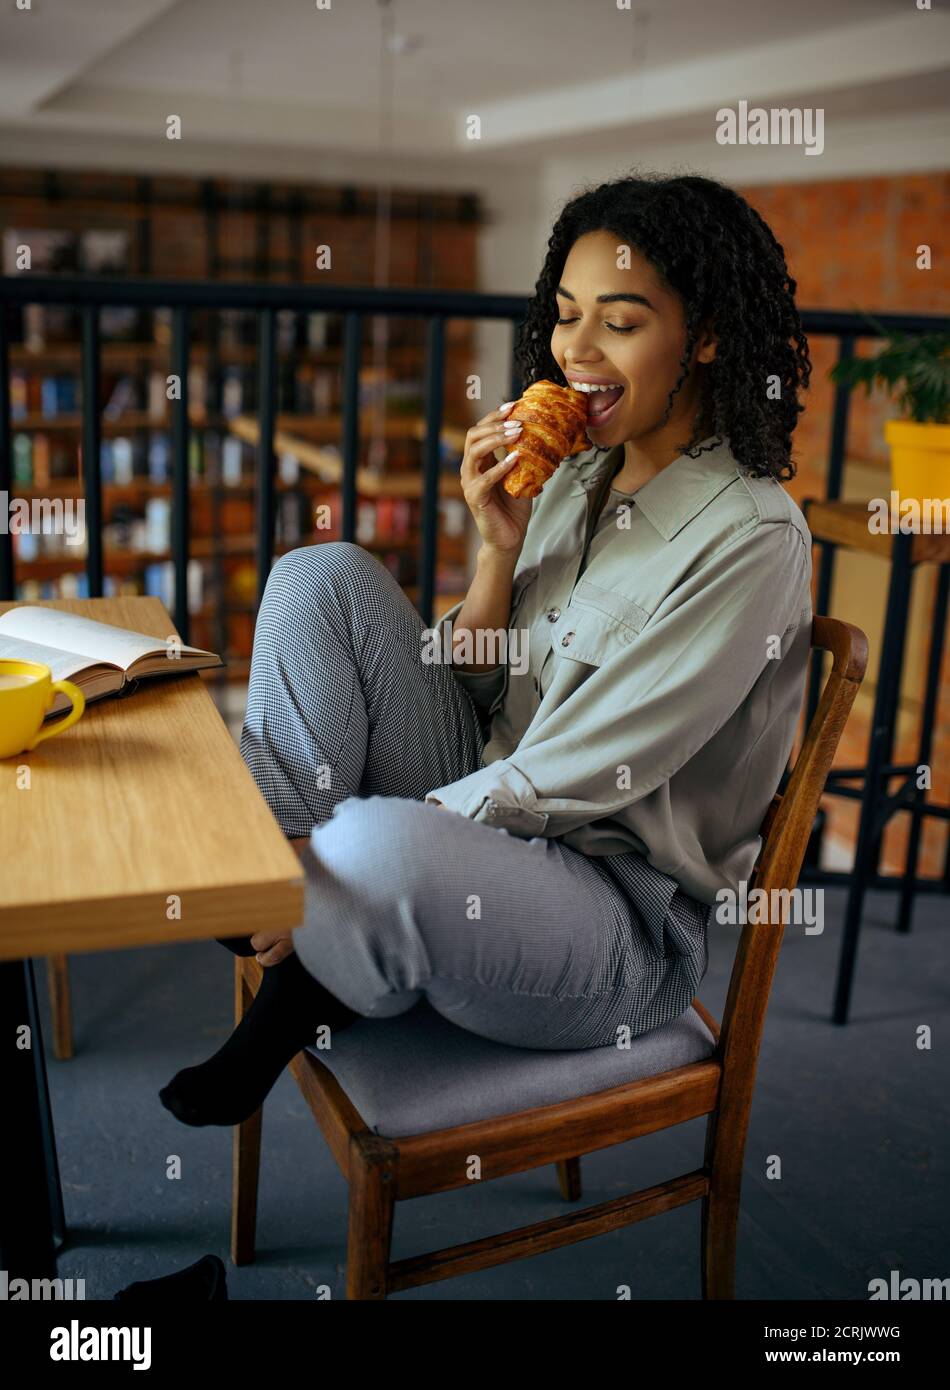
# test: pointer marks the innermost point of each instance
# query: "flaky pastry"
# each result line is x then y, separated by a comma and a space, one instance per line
554, 421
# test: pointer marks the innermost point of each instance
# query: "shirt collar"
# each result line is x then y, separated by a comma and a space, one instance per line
675, 495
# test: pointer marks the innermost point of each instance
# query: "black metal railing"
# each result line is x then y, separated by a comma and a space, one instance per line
356, 304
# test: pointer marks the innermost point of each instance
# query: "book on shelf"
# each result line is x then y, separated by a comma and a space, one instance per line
49, 396
19, 395
158, 524
67, 395
65, 586
158, 457
232, 392
41, 460
232, 461
157, 398
76, 585
158, 580
119, 323
22, 459
124, 397
98, 657
123, 460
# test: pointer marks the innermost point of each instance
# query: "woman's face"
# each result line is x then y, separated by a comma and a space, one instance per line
619, 325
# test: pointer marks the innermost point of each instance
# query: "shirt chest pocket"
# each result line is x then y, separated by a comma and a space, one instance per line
595, 626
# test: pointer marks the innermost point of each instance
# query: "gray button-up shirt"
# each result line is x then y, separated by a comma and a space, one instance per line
667, 653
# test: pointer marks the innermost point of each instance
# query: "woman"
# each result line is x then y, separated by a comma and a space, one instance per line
534, 846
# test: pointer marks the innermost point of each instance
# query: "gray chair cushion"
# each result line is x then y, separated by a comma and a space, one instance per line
417, 1072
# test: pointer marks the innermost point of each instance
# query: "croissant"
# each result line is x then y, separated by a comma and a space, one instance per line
554, 422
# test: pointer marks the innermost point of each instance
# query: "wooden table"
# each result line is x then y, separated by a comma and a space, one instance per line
144, 806
846, 523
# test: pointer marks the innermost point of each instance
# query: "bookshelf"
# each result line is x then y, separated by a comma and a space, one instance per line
224, 229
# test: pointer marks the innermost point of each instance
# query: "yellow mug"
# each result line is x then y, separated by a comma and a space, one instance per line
26, 693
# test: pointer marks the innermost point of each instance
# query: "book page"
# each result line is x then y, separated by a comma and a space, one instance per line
83, 636
62, 664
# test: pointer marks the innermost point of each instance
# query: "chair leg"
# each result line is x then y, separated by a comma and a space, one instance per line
372, 1178
719, 1229
569, 1178
57, 976
246, 1152
725, 1146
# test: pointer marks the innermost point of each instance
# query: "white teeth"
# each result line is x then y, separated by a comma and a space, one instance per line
587, 387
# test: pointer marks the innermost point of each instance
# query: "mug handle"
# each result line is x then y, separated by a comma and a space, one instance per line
79, 704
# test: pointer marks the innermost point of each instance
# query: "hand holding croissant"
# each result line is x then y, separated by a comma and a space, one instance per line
554, 421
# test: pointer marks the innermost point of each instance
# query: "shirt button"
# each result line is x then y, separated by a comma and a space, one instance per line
553, 614
567, 639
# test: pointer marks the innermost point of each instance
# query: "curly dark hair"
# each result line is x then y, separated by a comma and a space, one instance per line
714, 251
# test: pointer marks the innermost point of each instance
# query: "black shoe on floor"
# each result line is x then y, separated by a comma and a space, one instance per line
203, 1282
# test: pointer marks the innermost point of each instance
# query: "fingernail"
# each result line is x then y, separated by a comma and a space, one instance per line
512, 427
507, 405
513, 455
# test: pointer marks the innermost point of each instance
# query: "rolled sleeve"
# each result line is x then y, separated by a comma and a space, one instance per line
647, 710
498, 794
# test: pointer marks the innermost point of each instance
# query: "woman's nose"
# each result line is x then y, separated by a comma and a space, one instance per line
585, 354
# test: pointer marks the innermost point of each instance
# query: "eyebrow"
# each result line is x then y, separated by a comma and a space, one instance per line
611, 298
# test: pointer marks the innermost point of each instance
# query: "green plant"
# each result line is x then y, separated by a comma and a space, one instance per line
914, 368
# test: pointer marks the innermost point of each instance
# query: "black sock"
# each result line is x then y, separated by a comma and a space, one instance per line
287, 1010
240, 945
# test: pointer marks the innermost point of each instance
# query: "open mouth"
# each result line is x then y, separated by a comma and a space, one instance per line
602, 401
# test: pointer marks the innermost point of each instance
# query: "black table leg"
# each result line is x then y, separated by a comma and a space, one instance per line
57, 1215
26, 1183
874, 790
927, 721
896, 633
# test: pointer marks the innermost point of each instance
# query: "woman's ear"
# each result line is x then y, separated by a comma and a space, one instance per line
706, 346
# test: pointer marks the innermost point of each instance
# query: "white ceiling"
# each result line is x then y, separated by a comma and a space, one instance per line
468, 51
547, 78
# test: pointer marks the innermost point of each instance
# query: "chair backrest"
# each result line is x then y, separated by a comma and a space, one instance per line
786, 831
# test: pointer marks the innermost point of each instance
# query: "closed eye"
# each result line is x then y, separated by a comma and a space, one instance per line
614, 327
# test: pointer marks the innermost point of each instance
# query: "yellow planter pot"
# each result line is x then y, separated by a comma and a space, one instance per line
920, 458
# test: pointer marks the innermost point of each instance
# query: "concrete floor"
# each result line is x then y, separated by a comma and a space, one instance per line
857, 1115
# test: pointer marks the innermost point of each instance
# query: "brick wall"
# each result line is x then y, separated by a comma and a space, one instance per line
852, 244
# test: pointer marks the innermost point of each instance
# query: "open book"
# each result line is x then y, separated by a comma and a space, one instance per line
99, 658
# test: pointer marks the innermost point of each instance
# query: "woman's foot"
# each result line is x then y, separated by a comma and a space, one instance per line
289, 1007
205, 1281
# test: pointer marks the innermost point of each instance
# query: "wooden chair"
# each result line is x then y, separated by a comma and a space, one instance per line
718, 1083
